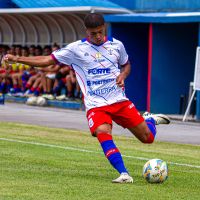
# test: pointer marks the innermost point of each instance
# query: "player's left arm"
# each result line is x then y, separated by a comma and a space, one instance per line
125, 71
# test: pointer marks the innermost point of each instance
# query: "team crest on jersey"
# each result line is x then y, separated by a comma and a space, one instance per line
98, 57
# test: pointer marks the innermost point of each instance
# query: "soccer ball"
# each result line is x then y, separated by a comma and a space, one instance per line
41, 101
155, 171
31, 101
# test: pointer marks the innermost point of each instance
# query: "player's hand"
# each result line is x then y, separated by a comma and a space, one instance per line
120, 80
10, 58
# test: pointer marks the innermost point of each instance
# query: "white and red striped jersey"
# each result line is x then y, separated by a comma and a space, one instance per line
96, 69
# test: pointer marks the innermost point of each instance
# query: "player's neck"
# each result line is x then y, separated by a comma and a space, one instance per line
104, 40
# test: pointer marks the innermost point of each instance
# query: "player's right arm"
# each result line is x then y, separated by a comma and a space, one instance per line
38, 61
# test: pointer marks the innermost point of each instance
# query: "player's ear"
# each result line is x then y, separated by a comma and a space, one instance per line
87, 32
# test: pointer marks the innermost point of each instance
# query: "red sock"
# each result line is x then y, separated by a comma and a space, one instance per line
28, 86
32, 89
151, 138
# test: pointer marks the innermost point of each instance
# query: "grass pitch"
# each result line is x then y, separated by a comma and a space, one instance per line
56, 164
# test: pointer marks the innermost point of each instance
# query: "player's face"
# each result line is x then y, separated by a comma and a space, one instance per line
96, 35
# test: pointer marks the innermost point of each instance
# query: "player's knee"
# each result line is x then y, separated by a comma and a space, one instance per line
146, 138
104, 128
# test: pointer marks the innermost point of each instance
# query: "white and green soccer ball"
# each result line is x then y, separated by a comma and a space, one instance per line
31, 101
155, 171
41, 101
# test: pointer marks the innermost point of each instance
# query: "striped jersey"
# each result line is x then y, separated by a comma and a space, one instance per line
96, 68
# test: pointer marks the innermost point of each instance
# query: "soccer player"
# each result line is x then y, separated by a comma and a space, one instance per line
96, 60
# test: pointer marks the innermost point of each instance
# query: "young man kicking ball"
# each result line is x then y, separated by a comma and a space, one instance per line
96, 60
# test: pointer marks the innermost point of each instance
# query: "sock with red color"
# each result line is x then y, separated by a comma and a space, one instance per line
152, 127
111, 152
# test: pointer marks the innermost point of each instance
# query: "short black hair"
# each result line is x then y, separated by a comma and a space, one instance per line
55, 45
32, 46
47, 47
25, 48
93, 20
38, 47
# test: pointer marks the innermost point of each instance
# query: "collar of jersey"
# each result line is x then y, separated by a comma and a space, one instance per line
105, 40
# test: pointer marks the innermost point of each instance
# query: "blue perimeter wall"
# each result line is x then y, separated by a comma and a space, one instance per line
173, 62
159, 5
135, 39
174, 50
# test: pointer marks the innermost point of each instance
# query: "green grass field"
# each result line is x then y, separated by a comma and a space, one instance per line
56, 164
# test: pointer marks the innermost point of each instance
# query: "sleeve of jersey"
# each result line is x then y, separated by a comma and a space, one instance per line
63, 55
123, 59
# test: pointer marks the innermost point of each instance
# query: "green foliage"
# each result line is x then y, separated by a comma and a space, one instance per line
47, 163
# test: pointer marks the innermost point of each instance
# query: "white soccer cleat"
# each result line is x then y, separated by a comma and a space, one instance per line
61, 97
159, 118
48, 96
123, 178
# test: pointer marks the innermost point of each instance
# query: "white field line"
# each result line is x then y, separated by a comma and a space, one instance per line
89, 151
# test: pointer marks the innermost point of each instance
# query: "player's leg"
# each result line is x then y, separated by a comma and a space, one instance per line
30, 81
143, 128
49, 85
29, 85
146, 131
77, 91
112, 153
70, 87
103, 133
19, 77
49, 77
37, 86
16, 86
3, 85
44, 85
100, 125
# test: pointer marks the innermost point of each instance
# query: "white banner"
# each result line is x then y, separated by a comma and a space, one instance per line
197, 70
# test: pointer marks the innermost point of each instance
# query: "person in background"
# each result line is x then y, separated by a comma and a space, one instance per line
38, 51
32, 50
